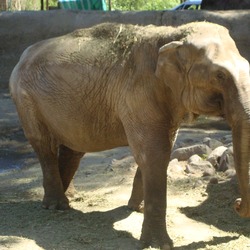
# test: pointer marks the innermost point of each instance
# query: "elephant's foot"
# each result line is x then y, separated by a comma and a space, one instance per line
157, 243
71, 192
150, 238
58, 203
242, 208
135, 206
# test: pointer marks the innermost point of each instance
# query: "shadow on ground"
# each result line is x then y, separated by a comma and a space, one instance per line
204, 244
15, 151
94, 230
217, 210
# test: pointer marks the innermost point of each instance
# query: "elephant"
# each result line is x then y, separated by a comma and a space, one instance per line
225, 4
115, 85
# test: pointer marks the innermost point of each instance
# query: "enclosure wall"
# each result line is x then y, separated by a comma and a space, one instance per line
18, 30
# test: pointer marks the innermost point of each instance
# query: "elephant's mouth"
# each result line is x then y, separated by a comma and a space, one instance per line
209, 103
220, 104
214, 106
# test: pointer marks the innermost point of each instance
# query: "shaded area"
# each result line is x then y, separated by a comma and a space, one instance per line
208, 123
57, 230
204, 244
15, 151
217, 210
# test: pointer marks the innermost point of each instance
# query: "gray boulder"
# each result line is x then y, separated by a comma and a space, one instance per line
175, 170
212, 143
215, 155
183, 154
226, 160
227, 139
204, 168
194, 159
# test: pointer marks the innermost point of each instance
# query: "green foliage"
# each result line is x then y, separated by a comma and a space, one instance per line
123, 5
53, 2
143, 4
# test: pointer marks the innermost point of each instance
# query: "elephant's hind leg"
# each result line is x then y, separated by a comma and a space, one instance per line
47, 151
68, 164
135, 201
46, 148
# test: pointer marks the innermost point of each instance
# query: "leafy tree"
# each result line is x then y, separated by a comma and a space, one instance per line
142, 4
123, 5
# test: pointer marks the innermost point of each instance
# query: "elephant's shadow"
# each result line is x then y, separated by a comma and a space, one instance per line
70, 229
217, 210
74, 229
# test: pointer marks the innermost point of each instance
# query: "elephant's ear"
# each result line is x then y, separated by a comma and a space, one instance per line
170, 46
174, 62
172, 65
168, 59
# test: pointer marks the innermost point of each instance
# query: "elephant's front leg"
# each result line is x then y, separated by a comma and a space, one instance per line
152, 155
154, 232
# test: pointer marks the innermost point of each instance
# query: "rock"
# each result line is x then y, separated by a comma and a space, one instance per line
215, 155
183, 154
222, 166
209, 170
226, 160
198, 183
231, 150
174, 169
228, 145
227, 139
212, 143
194, 159
214, 180
196, 164
230, 173
188, 170
201, 167
173, 162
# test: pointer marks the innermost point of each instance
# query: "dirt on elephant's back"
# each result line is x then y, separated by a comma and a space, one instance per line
111, 42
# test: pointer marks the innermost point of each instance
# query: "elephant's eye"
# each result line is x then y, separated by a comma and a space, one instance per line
221, 76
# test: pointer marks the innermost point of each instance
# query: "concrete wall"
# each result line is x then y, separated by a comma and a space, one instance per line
18, 30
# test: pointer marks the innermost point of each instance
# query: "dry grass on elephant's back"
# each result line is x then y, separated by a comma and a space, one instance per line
112, 42
109, 42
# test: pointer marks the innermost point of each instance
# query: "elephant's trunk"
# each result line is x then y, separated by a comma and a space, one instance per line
241, 143
238, 112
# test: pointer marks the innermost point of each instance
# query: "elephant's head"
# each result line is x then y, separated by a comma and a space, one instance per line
208, 76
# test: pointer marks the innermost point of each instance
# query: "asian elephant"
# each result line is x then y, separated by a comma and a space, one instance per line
114, 85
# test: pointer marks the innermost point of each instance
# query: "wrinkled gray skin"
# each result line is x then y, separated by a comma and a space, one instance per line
115, 85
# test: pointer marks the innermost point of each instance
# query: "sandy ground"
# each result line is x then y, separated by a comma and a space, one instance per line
200, 215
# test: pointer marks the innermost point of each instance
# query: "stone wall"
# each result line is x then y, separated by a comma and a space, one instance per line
18, 30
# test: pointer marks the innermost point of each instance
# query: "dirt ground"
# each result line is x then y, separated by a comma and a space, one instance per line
200, 215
